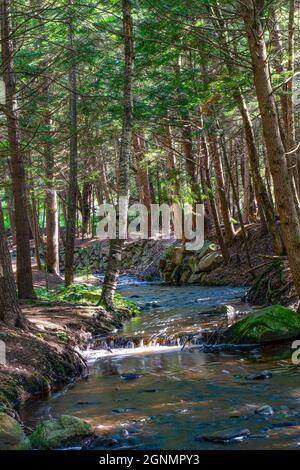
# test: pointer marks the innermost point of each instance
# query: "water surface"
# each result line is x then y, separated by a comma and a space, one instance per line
180, 394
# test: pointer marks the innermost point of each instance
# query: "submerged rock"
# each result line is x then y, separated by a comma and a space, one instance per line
270, 324
226, 436
57, 433
12, 436
131, 376
266, 410
265, 374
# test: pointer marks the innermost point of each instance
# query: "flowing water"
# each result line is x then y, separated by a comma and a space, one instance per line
153, 386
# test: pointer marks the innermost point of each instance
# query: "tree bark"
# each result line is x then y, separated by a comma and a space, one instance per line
116, 246
24, 271
10, 312
72, 190
271, 131
216, 159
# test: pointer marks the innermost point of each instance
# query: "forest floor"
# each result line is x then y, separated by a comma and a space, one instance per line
46, 356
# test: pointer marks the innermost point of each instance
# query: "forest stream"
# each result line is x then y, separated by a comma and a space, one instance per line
156, 387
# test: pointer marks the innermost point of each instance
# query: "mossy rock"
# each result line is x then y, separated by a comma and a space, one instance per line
210, 262
12, 436
208, 247
57, 433
185, 277
177, 255
195, 278
270, 324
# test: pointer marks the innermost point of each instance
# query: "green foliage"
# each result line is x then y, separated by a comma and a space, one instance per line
82, 294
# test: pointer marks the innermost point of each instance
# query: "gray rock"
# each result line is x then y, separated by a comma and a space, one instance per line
266, 410
226, 436
264, 375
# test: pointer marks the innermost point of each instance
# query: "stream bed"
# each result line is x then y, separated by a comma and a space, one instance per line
155, 387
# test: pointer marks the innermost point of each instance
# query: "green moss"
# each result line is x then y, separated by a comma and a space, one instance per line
83, 294
12, 436
56, 433
270, 324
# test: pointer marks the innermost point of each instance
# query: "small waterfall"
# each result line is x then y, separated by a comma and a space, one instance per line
124, 345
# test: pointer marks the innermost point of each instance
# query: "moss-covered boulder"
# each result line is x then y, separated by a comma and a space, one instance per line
210, 262
12, 436
57, 433
270, 324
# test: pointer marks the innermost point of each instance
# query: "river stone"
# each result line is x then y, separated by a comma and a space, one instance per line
12, 436
131, 376
193, 263
265, 410
226, 436
185, 277
210, 262
59, 432
208, 247
195, 278
270, 324
177, 256
264, 375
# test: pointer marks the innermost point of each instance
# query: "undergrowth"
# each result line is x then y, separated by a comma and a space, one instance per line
82, 294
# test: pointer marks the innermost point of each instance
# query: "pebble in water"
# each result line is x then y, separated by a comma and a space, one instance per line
131, 376
227, 436
265, 374
266, 410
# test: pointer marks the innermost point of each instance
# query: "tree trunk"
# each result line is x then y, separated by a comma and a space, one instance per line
142, 171
86, 207
216, 159
259, 185
10, 312
51, 204
115, 252
72, 190
24, 271
209, 191
271, 131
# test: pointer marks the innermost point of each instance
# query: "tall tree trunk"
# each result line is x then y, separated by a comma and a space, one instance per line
51, 204
86, 207
209, 191
115, 252
10, 312
264, 202
271, 129
24, 271
172, 164
259, 186
217, 163
142, 171
72, 190
291, 132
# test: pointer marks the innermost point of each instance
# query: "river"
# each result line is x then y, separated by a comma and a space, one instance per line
155, 387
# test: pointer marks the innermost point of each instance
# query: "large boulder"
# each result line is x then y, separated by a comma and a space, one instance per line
195, 278
208, 247
210, 262
12, 436
194, 263
270, 324
57, 433
177, 255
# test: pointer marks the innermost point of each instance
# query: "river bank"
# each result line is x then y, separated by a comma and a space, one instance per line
47, 355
